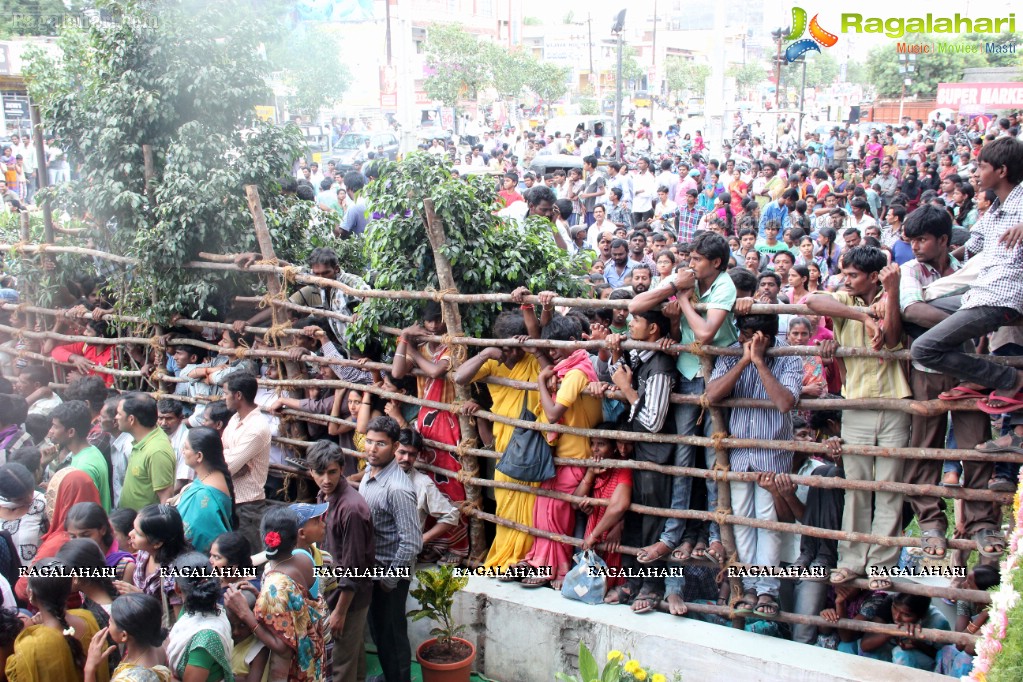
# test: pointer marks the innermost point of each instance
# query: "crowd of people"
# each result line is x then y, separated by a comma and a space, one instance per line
885, 251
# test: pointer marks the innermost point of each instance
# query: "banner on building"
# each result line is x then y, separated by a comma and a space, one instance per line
980, 97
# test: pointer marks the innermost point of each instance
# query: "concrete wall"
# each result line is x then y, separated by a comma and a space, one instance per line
524, 635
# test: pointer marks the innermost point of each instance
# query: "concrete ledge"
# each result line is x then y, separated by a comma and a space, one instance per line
524, 635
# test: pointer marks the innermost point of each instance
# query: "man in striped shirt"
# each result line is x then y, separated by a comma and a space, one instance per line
646, 378
392, 501
780, 380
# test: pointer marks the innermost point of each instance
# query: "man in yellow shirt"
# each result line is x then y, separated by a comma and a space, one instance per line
869, 280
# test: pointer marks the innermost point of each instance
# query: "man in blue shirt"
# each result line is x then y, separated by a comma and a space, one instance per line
355, 217
778, 210
620, 266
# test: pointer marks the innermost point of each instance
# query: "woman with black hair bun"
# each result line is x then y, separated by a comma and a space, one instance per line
200, 640
98, 592
158, 537
11, 626
52, 647
285, 619
207, 503
88, 520
138, 638
233, 551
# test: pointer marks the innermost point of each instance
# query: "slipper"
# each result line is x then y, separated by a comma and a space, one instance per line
842, 575
1015, 445
715, 556
623, 593
880, 583
533, 583
1008, 404
750, 601
681, 553
1001, 484
935, 541
767, 608
960, 393
700, 550
514, 573
645, 557
652, 600
989, 537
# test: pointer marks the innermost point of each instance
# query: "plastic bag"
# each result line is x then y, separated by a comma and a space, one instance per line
580, 585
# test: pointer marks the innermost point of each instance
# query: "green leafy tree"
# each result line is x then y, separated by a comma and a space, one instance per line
999, 59
182, 79
856, 73
686, 75
883, 69
748, 76
488, 254
311, 63
631, 70
549, 82
511, 70
460, 65
36, 17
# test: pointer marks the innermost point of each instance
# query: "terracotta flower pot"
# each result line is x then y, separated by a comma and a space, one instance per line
446, 672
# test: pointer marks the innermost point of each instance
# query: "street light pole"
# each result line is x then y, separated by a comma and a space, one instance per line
618, 103
802, 94
617, 28
906, 66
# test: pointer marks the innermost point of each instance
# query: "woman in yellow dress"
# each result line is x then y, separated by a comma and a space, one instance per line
50, 648
135, 628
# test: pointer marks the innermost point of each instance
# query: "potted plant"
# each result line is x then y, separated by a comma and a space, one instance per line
446, 657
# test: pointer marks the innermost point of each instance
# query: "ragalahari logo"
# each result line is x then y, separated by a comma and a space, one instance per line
818, 36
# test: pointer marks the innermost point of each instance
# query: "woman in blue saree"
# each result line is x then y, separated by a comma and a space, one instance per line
207, 503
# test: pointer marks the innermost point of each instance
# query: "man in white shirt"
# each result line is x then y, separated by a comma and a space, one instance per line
170, 416
120, 446
34, 385
644, 187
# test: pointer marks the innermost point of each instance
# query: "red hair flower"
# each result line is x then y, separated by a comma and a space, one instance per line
272, 540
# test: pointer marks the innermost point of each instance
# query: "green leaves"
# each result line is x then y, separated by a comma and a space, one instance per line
587, 664
435, 593
488, 254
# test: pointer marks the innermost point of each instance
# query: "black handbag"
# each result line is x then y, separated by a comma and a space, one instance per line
528, 456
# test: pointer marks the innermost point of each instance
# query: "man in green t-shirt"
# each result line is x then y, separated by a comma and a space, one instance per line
150, 475
69, 430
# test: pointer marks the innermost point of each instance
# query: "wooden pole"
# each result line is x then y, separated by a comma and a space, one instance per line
274, 288
453, 320
44, 179
724, 503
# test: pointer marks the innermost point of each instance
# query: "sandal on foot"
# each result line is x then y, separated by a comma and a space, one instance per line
646, 602
1001, 404
1015, 445
843, 575
649, 557
714, 555
935, 541
961, 393
767, 606
514, 573
700, 550
683, 552
880, 583
989, 537
623, 595
1001, 484
745, 604
535, 582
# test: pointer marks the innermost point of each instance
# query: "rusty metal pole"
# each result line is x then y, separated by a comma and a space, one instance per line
453, 320
43, 178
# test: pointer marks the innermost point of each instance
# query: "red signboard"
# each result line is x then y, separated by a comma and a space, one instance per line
980, 96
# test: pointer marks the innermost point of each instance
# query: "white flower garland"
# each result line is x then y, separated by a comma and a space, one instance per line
989, 644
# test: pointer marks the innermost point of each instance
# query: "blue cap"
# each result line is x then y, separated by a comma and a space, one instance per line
307, 511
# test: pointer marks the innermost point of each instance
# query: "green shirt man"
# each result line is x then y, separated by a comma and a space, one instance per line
150, 468
91, 461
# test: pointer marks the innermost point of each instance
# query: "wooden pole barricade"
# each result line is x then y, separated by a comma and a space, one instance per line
468, 454
453, 321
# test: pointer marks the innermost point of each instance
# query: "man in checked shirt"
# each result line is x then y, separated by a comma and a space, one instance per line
994, 300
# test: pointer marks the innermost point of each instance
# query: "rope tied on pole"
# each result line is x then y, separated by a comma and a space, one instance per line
156, 342
464, 446
720, 473
717, 439
290, 273
696, 349
275, 332
439, 295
